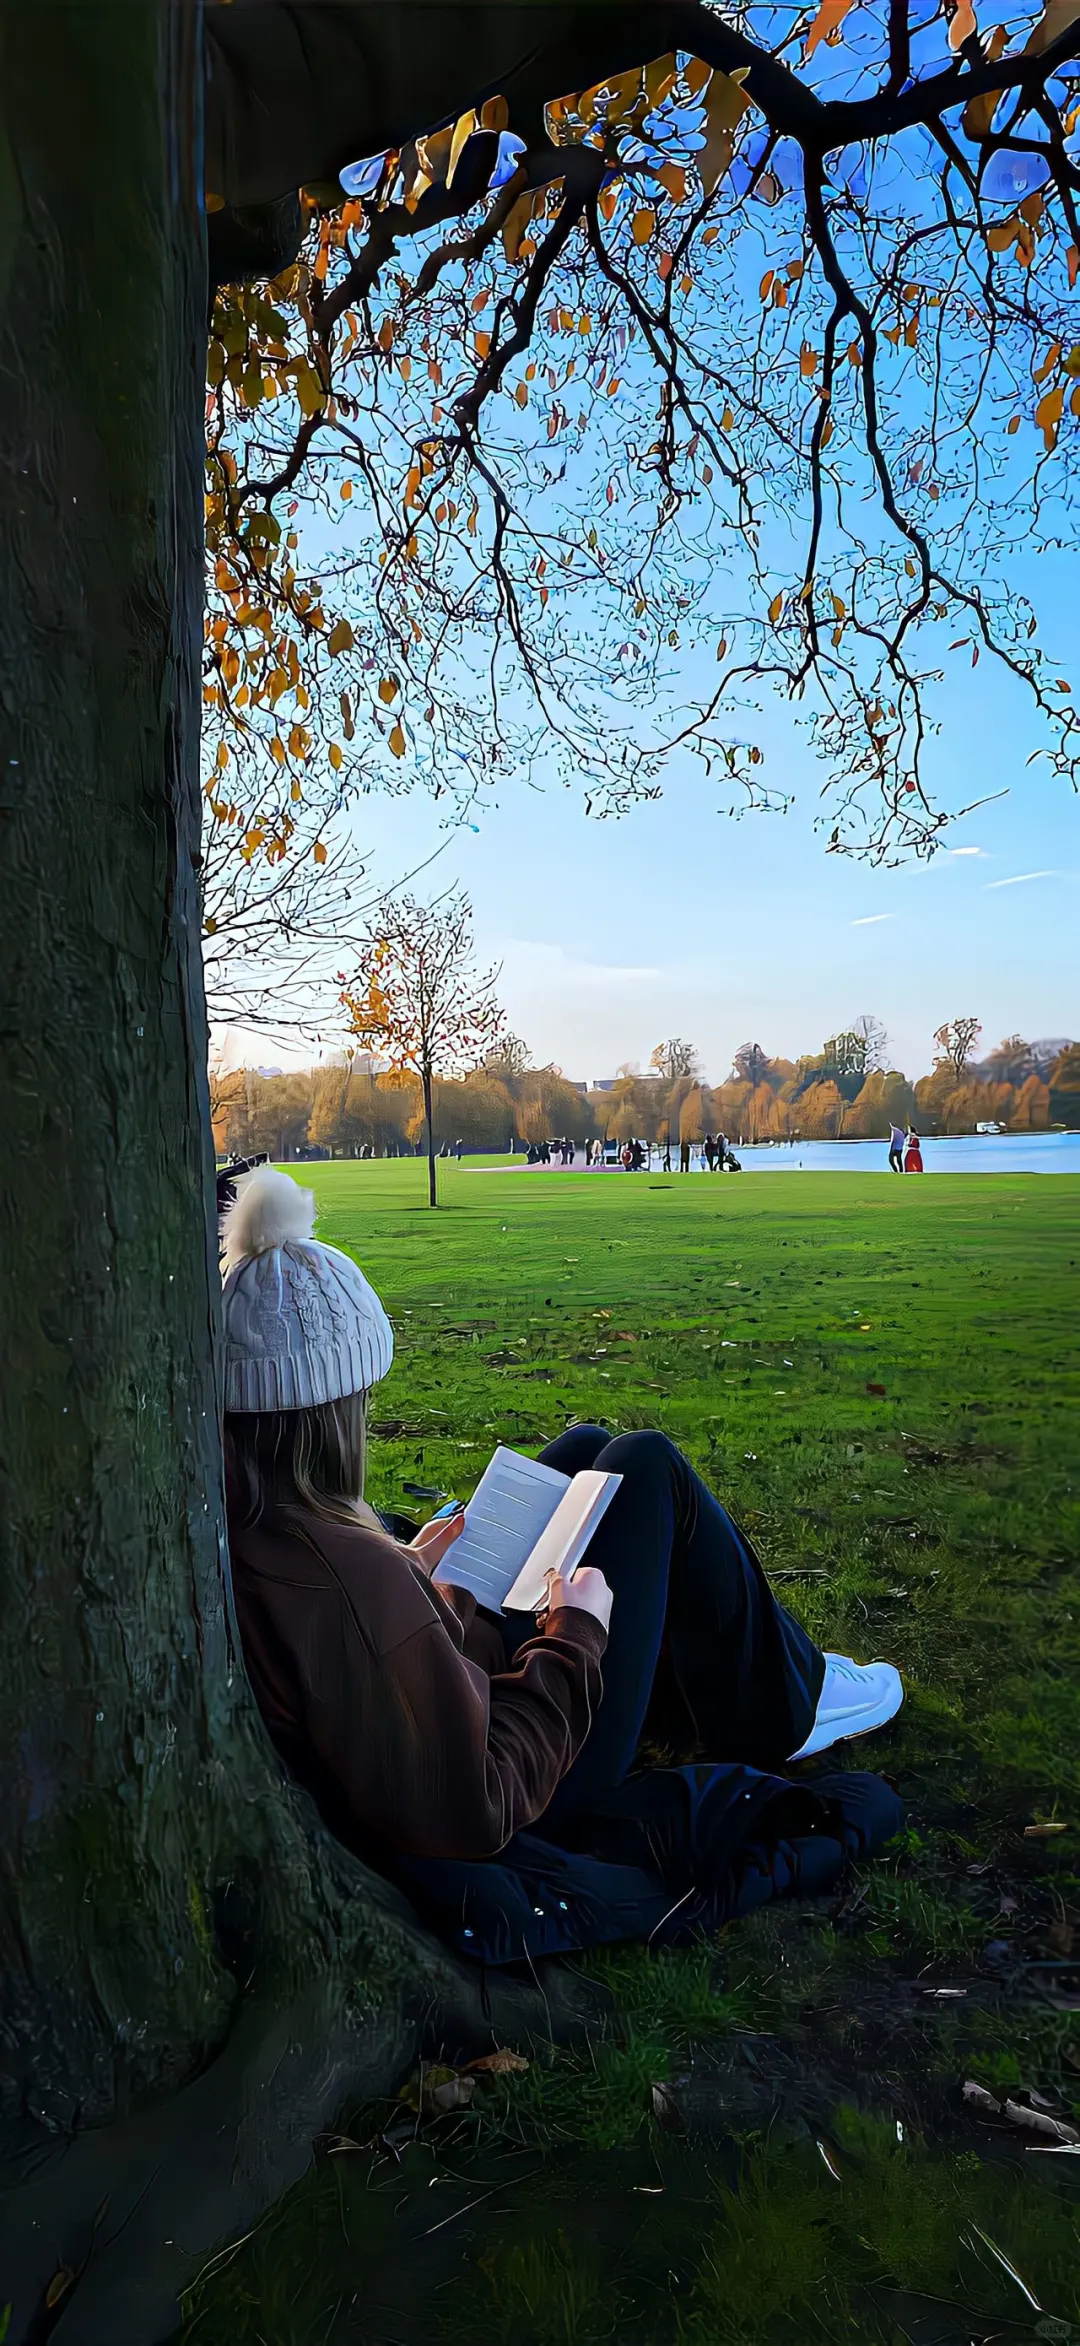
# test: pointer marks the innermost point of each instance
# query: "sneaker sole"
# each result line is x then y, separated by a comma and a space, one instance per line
841, 1734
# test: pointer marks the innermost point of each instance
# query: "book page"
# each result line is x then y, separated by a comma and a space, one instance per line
564, 1539
511, 1506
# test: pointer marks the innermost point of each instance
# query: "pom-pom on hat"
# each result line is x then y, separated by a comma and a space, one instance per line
302, 1325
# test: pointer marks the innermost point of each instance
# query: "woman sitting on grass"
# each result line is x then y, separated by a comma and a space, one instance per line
473, 1755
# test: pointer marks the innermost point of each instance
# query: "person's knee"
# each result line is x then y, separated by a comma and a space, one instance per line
646, 1452
576, 1449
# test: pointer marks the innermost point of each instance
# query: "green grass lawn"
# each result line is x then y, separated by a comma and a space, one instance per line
880, 1378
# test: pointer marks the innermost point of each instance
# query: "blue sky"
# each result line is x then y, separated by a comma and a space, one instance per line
676, 919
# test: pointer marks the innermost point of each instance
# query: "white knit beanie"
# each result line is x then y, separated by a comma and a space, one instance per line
302, 1324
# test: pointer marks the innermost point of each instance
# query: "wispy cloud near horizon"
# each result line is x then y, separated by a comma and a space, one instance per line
871, 919
1019, 878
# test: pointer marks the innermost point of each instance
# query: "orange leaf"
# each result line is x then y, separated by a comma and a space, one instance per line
514, 226
340, 638
1073, 259
1049, 362
660, 78
963, 24
775, 608
1013, 425
673, 177
644, 224
319, 851
397, 741
463, 130
336, 756
826, 24
1048, 415
388, 689
725, 106
482, 344
979, 113
766, 285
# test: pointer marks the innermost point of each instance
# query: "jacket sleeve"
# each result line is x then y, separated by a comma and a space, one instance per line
438, 1759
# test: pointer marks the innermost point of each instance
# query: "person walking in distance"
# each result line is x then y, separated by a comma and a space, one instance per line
913, 1161
684, 1156
896, 1148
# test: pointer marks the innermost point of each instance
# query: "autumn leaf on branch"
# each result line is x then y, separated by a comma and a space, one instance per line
490, 342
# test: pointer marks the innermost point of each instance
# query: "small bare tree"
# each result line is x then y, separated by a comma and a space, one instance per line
956, 1041
674, 1058
874, 1040
416, 998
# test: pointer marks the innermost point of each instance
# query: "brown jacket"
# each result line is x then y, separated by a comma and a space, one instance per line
391, 1699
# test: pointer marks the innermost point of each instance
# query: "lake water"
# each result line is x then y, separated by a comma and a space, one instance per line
1009, 1152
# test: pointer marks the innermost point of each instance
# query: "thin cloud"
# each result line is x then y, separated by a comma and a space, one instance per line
871, 919
1019, 878
979, 851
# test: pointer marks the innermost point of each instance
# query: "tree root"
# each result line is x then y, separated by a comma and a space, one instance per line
114, 2225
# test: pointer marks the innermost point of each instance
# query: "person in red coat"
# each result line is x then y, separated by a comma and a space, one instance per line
913, 1160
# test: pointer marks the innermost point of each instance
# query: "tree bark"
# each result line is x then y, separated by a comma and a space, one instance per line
429, 1115
193, 1978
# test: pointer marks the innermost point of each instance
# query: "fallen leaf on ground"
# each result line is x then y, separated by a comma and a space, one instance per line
456, 2094
1043, 1832
1035, 2121
500, 2064
1038, 2122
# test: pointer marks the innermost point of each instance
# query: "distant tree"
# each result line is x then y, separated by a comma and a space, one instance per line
478, 1112
1011, 1062
846, 1059
355, 1109
508, 1059
751, 1064
267, 1114
870, 1032
956, 1040
549, 1106
674, 1058
416, 998
1064, 1086
692, 1115
1031, 1108
821, 1111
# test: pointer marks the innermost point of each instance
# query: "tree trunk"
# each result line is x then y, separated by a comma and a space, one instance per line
429, 1115
193, 1978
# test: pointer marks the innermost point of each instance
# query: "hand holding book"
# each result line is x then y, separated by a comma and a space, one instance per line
586, 1590
525, 1524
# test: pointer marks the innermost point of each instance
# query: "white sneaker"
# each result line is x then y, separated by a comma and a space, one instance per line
855, 1698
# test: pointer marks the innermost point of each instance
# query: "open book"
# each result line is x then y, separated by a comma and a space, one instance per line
523, 1521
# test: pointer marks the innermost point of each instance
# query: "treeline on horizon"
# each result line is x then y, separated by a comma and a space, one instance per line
346, 1107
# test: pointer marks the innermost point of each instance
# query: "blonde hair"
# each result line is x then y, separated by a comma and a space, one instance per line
309, 1459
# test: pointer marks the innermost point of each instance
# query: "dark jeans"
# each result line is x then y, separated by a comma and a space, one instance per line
694, 1623
896, 1160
